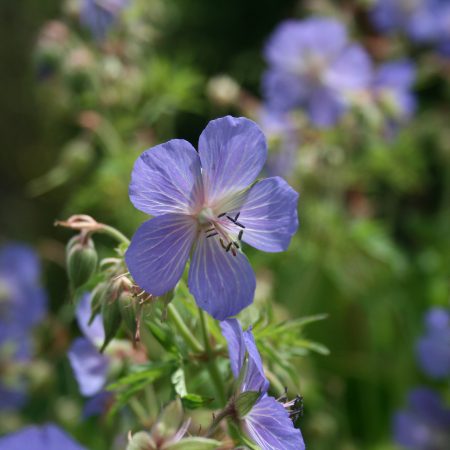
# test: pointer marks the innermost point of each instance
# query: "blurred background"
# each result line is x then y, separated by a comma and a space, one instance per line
85, 92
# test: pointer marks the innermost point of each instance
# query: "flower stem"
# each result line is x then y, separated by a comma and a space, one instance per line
190, 339
116, 234
212, 366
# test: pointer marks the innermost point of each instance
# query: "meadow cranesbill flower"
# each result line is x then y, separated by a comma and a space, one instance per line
89, 365
23, 304
46, 437
209, 202
392, 88
433, 348
425, 424
313, 65
416, 18
100, 15
269, 422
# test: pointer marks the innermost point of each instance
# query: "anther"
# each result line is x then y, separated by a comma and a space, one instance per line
211, 229
239, 224
227, 249
212, 234
221, 215
222, 244
240, 235
236, 244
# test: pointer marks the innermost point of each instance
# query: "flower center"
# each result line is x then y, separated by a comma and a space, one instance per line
225, 228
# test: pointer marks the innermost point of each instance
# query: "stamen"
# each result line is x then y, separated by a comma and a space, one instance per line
211, 229
221, 215
212, 234
236, 244
222, 244
233, 251
239, 224
227, 249
240, 235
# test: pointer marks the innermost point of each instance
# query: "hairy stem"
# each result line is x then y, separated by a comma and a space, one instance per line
190, 339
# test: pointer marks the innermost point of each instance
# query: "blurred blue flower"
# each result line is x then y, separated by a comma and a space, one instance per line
416, 18
89, 365
433, 348
268, 423
425, 424
23, 303
100, 15
392, 88
313, 65
208, 201
283, 141
46, 437
443, 39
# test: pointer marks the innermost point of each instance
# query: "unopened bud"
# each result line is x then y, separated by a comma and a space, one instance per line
128, 312
141, 441
81, 260
112, 317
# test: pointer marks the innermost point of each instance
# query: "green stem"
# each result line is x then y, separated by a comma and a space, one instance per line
190, 339
116, 234
212, 366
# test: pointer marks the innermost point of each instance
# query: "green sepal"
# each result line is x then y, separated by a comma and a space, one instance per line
245, 402
112, 319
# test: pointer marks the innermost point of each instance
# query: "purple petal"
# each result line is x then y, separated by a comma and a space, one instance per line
352, 70
437, 320
221, 283
90, 367
232, 152
269, 425
21, 262
232, 331
255, 380
269, 214
398, 74
159, 250
167, 179
95, 331
47, 437
98, 404
325, 107
294, 40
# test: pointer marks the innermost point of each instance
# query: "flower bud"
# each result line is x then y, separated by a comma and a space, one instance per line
141, 441
128, 313
81, 260
112, 317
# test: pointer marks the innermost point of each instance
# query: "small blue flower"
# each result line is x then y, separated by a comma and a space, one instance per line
313, 65
433, 348
416, 18
268, 423
208, 201
46, 437
23, 304
425, 424
100, 15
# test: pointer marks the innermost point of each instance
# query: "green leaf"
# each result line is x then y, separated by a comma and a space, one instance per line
179, 382
194, 401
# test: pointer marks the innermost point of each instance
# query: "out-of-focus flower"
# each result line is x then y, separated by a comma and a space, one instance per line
23, 303
392, 86
283, 142
100, 15
89, 365
313, 65
416, 18
443, 20
209, 201
268, 422
47, 437
433, 348
223, 90
425, 424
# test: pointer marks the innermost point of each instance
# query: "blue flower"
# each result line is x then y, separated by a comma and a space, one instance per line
433, 348
100, 15
89, 365
268, 423
425, 424
416, 18
23, 304
313, 65
47, 437
208, 201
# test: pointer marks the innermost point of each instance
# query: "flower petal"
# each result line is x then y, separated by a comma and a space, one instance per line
167, 179
232, 332
269, 214
95, 331
232, 152
269, 425
221, 283
326, 107
255, 379
90, 367
159, 250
